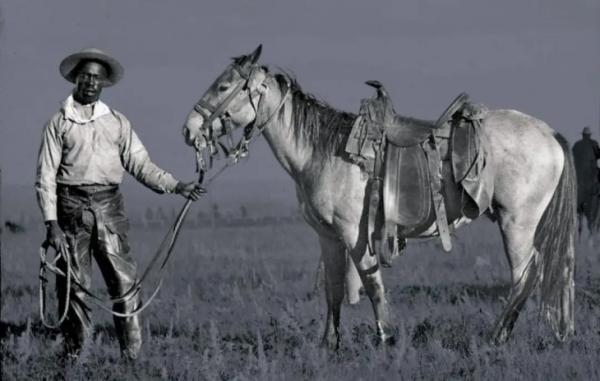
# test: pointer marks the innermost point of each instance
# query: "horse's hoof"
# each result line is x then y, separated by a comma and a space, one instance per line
386, 335
386, 340
330, 343
498, 338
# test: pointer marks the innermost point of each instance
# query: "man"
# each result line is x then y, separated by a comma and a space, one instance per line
586, 154
85, 147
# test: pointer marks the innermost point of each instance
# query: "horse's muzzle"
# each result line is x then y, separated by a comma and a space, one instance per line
187, 135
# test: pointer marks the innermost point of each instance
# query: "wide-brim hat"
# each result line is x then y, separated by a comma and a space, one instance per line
586, 131
113, 67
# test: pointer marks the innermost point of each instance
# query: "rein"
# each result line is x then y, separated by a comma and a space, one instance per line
235, 153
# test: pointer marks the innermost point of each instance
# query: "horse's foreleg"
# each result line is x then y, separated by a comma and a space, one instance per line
334, 260
370, 275
353, 282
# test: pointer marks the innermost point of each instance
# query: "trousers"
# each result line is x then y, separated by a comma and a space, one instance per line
95, 224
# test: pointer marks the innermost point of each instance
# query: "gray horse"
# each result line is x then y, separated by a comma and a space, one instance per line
534, 195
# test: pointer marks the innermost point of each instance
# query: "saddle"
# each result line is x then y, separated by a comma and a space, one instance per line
404, 158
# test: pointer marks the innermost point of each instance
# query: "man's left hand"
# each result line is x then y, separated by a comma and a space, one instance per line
192, 190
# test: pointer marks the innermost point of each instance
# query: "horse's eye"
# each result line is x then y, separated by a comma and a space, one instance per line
223, 88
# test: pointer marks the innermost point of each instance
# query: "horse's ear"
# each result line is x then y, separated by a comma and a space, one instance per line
255, 55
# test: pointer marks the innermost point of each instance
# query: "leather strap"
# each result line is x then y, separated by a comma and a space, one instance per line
371, 270
220, 108
375, 195
435, 171
202, 106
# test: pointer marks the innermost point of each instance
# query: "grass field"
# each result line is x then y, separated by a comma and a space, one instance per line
237, 304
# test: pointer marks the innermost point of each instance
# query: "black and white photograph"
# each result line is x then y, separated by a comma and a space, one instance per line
300, 190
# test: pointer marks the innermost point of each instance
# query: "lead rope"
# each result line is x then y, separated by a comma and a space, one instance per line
171, 238
52, 266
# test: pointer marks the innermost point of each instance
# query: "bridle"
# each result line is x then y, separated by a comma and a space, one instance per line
210, 113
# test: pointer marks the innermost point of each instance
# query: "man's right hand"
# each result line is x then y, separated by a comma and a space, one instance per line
56, 237
192, 190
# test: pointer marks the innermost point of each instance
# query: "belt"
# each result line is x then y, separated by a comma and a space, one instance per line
93, 190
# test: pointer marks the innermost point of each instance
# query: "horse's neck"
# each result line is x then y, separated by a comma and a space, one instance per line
293, 154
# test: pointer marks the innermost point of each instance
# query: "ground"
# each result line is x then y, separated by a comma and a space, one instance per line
238, 304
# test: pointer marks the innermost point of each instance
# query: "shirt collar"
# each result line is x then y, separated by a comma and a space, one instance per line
81, 114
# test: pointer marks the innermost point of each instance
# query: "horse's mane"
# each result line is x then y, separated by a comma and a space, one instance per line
316, 122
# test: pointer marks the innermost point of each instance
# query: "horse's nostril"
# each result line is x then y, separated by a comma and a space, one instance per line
187, 135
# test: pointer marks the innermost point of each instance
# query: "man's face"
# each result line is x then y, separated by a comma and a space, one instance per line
89, 82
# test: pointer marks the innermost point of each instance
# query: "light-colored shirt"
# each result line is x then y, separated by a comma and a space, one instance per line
92, 144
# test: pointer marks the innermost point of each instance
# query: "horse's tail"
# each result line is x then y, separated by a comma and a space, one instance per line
555, 241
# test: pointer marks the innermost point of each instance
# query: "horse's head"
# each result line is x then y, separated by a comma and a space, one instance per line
229, 103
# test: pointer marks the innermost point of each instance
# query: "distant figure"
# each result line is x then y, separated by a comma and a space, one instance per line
85, 148
586, 154
14, 227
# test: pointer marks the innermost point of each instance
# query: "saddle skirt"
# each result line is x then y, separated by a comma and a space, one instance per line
411, 154
406, 203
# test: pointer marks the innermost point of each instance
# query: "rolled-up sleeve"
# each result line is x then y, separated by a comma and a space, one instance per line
136, 161
49, 158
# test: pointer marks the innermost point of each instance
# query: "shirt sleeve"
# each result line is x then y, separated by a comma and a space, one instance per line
136, 161
49, 159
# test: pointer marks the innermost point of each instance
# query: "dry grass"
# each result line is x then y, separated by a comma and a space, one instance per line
237, 305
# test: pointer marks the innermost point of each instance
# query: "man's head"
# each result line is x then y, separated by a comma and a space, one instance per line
586, 132
90, 77
90, 70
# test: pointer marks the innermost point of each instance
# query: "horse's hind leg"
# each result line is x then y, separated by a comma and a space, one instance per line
518, 236
334, 260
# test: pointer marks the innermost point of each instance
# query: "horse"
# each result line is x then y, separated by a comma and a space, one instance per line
533, 198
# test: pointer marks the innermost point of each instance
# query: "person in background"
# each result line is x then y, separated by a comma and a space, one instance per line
586, 154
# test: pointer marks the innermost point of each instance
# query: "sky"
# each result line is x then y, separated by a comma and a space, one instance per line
539, 57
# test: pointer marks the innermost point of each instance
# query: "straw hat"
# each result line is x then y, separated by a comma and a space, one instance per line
114, 68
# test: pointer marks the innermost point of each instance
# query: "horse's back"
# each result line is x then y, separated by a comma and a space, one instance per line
512, 127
